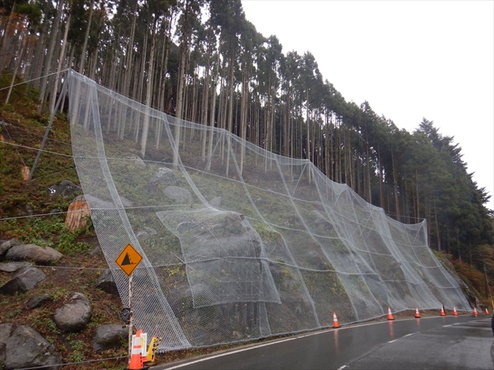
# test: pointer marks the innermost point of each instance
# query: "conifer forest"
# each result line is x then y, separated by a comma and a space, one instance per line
203, 61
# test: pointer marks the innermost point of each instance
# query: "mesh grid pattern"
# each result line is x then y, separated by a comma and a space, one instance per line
238, 243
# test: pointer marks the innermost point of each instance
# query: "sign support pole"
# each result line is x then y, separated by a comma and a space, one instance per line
128, 261
131, 324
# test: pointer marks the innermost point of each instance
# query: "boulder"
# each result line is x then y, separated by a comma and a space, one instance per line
178, 195
13, 266
33, 252
106, 282
215, 202
21, 210
21, 346
65, 188
37, 301
145, 233
97, 251
135, 160
95, 202
110, 336
163, 176
25, 279
5, 246
126, 202
75, 314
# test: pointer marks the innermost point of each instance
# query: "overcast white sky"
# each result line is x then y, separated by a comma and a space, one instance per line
408, 59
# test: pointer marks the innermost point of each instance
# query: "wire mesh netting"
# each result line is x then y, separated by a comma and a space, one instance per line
238, 243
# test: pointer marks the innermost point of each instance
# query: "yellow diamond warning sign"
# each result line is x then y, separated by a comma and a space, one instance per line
128, 259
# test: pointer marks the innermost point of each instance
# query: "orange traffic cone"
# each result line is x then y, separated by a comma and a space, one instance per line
475, 313
455, 313
136, 362
390, 315
335, 321
442, 311
486, 311
417, 314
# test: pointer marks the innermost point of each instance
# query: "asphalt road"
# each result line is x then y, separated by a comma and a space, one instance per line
462, 342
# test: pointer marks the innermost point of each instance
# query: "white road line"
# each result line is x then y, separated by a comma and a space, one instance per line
233, 352
406, 335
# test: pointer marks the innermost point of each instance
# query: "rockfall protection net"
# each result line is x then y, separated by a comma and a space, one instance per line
238, 243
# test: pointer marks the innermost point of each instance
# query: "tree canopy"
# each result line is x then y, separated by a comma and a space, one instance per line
204, 61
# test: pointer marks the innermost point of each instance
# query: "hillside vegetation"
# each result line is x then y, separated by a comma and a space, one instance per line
31, 214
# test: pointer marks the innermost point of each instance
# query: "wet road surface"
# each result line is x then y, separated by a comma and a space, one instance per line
462, 342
